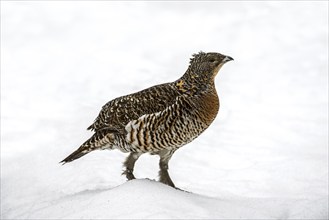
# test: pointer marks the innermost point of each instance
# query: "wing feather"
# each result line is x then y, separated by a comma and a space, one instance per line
117, 113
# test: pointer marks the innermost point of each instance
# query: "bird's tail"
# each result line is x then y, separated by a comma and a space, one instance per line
100, 140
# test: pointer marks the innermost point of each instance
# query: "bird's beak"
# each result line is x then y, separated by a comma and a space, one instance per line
227, 58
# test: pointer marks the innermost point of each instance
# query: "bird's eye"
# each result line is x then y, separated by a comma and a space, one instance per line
212, 60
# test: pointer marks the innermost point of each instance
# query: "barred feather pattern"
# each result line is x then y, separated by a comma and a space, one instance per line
117, 113
175, 126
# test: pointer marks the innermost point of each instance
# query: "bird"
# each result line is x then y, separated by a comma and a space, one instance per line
160, 119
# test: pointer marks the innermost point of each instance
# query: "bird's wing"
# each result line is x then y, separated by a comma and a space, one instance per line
116, 114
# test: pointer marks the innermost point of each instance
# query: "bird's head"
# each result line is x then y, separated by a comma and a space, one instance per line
207, 65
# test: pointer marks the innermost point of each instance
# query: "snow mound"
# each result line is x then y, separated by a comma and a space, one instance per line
147, 199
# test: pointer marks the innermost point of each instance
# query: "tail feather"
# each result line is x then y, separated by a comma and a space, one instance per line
75, 155
100, 140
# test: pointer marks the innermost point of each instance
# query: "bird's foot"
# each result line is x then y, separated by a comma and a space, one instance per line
129, 174
165, 179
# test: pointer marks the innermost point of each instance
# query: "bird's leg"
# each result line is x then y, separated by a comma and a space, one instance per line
165, 156
164, 175
129, 165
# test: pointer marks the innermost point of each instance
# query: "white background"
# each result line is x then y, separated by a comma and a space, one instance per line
265, 156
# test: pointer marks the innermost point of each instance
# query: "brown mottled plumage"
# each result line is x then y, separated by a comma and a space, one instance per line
160, 119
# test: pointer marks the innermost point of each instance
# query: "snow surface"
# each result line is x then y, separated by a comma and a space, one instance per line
264, 157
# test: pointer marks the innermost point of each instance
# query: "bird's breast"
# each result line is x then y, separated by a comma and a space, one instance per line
209, 106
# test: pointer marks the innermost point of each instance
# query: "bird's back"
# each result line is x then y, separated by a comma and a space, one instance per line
117, 113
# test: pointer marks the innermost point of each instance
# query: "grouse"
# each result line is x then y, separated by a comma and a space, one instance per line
160, 119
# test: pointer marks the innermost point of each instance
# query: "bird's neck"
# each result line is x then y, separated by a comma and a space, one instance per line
192, 83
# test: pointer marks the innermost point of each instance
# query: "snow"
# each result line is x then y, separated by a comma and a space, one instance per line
145, 199
264, 157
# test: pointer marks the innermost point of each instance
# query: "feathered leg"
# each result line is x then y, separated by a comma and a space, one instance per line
165, 156
129, 164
